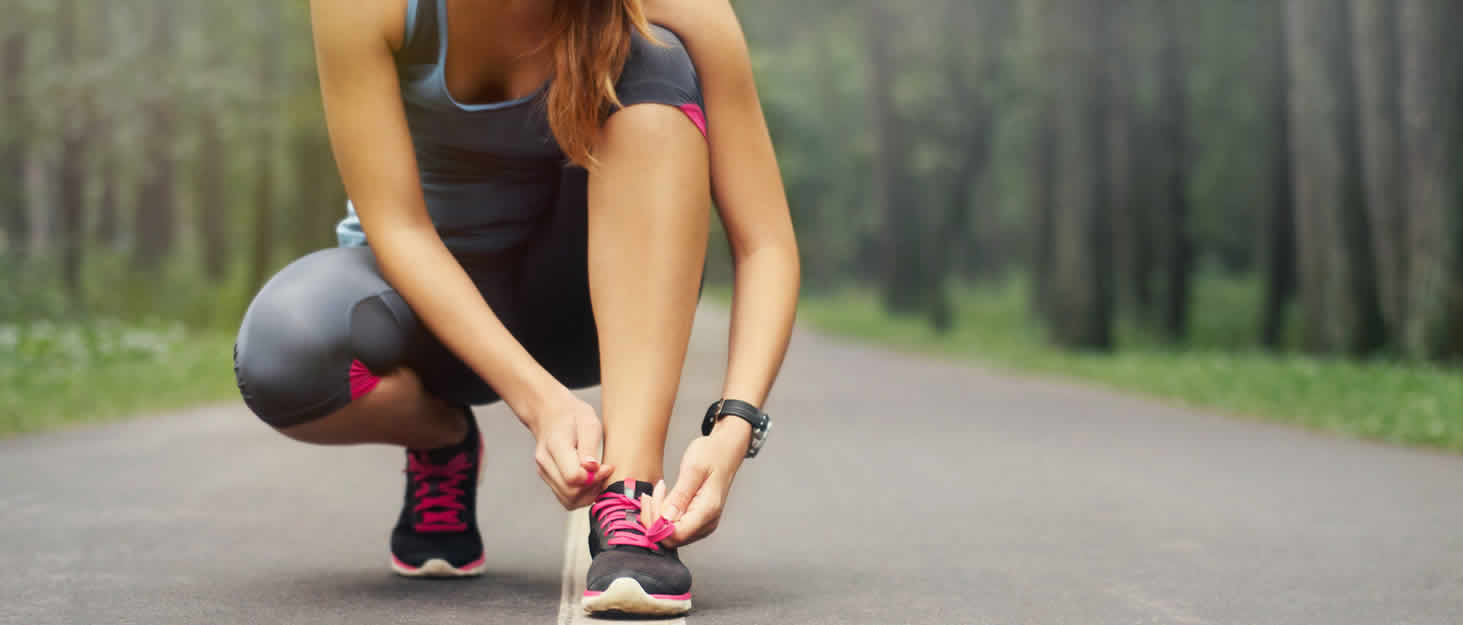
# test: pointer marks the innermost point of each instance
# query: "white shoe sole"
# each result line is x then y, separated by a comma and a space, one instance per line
626, 596
439, 568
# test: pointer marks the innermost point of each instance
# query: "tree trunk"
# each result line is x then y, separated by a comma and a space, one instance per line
1144, 215
1176, 244
108, 224
335, 198
40, 201
107, 229
71, 184
1278, 226
212, 206
1137, 238
266, 153
1431, 102
1042, 178
902, 225
263, 243
72, 166
14, 209
156, 198
1378, 74
318, 194
1082, 263
1120, 157
1099, 334
1337, 278
964, 76
956, 222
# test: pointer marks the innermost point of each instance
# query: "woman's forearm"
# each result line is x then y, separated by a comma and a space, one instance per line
764, 306
416, 262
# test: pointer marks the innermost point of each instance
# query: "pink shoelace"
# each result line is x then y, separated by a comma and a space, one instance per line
619, 517
447, 516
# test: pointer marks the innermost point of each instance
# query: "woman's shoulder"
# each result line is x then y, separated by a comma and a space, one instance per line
382, 20
708, 28
684, 17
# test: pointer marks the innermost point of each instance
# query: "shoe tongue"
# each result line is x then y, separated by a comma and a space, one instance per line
631, 488
441, 456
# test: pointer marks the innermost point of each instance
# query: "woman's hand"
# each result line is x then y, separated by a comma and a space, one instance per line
569, 437
707, 470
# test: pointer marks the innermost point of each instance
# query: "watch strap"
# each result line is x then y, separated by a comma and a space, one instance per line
759, 421
737, 408
732, 407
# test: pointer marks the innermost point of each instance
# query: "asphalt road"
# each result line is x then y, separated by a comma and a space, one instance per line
895, 489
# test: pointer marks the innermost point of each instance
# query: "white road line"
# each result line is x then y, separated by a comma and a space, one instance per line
578, 525
576, 566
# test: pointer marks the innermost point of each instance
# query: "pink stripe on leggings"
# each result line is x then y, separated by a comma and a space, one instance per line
697, 116
362, 380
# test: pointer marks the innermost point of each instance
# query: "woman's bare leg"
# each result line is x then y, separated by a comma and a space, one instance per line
649, 214
397, 412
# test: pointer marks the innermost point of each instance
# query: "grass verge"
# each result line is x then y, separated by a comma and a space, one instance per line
53, 374
1382, 400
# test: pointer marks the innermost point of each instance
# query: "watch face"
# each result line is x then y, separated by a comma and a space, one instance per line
759, 436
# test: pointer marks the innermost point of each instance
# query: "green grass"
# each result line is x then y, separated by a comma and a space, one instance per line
1219, 371
52, 374
104, 353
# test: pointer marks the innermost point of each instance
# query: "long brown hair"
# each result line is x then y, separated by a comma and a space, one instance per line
591, 42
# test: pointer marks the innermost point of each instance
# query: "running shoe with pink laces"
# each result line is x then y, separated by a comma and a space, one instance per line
436, 534
632, 573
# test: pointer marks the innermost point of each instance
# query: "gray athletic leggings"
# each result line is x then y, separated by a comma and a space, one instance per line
320, 332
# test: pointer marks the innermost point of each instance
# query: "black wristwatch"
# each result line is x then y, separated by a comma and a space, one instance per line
751, 414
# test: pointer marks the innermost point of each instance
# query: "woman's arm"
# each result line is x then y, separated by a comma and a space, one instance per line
753, 206
372, 145
749, 194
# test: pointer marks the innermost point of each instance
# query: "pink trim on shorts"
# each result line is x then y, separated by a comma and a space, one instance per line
362, 380
697, 115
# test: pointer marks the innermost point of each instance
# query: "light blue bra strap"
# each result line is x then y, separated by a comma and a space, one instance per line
411, 23
348, 232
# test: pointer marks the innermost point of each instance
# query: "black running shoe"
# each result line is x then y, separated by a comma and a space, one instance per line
437, 532
632, 574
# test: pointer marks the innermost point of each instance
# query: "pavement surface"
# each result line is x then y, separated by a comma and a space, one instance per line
895, 489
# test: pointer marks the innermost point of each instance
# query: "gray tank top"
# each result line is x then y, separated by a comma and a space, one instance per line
488, 171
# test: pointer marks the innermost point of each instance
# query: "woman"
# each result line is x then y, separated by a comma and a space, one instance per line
530, 184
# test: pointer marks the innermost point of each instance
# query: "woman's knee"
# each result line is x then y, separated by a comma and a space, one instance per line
295, 359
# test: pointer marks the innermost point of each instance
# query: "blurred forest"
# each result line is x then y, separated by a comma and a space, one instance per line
161, 159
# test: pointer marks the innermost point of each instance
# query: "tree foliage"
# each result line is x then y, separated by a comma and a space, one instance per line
1105, 152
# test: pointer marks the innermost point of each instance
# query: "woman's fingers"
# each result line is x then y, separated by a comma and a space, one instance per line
652, 504
566, 458
601, 480
700, 513
688, 484
588, 436
551, 469
574, 496
591, 468
698, 521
